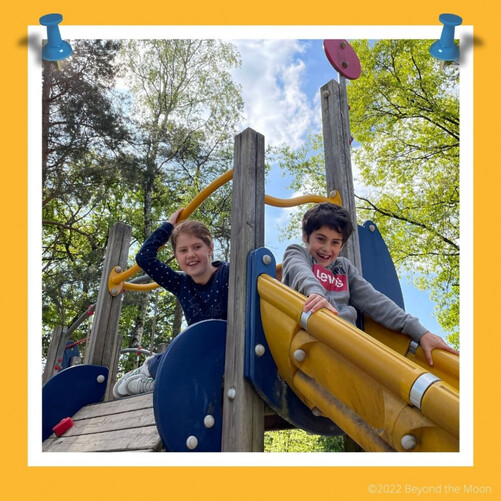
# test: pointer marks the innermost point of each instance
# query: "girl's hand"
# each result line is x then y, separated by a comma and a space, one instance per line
173, 219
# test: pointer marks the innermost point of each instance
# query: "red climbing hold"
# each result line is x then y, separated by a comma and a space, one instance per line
64, 425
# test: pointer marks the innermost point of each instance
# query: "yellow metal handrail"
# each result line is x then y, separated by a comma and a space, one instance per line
117, 279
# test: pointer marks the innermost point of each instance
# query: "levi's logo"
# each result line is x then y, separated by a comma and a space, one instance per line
331, 282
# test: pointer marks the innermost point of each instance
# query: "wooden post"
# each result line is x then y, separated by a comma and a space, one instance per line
104, 345
336, 132
243, 410
339, 176
56, 350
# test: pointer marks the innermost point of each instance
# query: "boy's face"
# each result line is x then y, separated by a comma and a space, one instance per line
194, 256
324, 245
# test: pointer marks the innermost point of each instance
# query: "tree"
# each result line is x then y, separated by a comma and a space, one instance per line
405, 118
184, 111
81, 131
132, 149
405, 114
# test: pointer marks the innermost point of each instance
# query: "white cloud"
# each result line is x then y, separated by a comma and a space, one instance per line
271, 77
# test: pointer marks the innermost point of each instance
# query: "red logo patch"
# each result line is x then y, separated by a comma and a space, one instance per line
331, 282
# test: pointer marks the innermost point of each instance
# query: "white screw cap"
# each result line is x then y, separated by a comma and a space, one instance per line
259, 350
299, 355
100, 378
192, 442
266, 259
209, 421
316, 411
408, 442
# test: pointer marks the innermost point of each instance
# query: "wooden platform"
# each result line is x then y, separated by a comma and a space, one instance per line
123, 425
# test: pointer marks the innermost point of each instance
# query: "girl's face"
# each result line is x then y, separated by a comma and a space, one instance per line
194, 257
324, 245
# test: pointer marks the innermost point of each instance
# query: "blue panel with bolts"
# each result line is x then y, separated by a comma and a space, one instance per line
68, 391
187, 397
377, 265
260, 368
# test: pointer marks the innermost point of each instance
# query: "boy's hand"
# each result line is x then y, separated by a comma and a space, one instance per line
173, 219
430, 341
315, 302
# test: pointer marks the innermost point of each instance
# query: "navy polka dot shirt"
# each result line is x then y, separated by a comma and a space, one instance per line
199, 302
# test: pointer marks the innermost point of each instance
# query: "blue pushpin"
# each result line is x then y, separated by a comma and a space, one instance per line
55, 49
445, 49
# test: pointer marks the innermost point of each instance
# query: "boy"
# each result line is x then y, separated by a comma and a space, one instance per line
333, 282
201, 286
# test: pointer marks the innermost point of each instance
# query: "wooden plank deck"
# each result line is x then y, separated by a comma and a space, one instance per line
123, 425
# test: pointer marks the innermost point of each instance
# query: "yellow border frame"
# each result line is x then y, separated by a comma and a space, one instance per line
263, 483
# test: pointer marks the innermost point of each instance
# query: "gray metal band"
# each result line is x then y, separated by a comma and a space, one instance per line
413, 346
420, 387
304, 319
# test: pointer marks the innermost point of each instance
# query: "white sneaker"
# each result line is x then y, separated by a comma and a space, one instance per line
139, 384
121, 389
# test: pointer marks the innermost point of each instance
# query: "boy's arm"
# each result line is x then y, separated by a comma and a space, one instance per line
383, 310
380, 307
297, 271
298, 274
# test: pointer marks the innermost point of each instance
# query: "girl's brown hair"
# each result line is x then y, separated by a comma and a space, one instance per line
192, 227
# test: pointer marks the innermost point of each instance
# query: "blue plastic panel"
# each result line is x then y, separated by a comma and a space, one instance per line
262, 371
189, 387
68, 391
377, 265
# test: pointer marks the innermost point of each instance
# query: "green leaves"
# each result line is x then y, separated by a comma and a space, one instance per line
133, 130
405, 115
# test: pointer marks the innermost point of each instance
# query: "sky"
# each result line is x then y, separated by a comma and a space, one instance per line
280, 82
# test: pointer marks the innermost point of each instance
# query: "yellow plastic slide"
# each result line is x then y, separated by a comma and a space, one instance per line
368, 383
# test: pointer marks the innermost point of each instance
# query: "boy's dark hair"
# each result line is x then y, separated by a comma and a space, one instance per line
327, 214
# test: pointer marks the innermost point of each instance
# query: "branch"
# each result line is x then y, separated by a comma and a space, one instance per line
388, 213
71, 228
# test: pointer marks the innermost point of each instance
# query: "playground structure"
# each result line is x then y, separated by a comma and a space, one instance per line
316, 371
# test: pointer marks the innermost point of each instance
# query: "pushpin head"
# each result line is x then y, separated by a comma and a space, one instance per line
55, 49
445, 49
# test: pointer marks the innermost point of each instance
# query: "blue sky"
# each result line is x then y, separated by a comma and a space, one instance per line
280, 82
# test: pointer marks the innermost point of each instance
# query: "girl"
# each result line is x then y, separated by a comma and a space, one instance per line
201, 286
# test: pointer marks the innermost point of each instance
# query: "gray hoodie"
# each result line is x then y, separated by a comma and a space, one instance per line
345, 288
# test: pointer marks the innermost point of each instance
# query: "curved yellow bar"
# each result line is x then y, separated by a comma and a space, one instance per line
357, 381
335, 198
118, 280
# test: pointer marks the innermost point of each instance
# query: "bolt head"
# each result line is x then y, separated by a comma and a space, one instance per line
408, 442
316, 411
209, 421
266, 259
100, 378
232, 393
299, 355
259, 350
192, 442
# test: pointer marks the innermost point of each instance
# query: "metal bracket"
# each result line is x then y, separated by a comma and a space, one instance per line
420, 387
